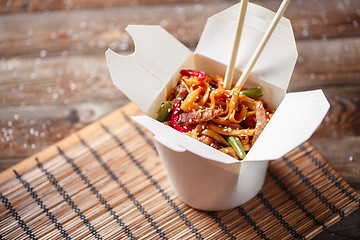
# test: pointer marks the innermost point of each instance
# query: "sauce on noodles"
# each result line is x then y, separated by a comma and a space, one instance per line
228, 120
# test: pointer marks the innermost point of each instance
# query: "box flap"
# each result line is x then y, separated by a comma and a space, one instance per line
277, 61
180, 142
142, 75
294, 121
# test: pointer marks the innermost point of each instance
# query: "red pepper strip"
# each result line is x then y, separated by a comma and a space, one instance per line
174, 120
201, 75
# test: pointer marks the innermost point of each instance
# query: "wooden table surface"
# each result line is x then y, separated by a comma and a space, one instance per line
54, 79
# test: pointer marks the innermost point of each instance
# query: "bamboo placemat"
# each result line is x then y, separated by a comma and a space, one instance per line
107, 182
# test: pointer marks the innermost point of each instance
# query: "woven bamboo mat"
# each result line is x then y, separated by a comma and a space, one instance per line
106, 182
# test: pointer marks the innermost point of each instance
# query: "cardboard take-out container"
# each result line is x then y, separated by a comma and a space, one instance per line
203, 177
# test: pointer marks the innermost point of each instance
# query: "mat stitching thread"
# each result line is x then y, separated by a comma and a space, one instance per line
294, 198
315, 190
328, 174
276, 214
17, 217
153, 181
67, 198
122, 186
260, 232
41, 204
252, 223
286, 225
221, 225
141, 132
96, 193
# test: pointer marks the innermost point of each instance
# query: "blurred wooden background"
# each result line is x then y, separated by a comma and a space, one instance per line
54, 78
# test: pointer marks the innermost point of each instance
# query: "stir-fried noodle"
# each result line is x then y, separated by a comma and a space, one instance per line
228, 120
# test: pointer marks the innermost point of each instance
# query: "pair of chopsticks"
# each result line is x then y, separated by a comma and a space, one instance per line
240, 22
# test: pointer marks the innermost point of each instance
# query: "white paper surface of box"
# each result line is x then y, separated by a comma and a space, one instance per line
203, 177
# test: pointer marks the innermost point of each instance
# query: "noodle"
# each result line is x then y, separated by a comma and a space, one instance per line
204, 110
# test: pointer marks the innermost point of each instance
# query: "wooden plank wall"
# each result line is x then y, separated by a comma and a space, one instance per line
54, 78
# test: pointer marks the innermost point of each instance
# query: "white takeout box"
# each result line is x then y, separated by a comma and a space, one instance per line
203, 177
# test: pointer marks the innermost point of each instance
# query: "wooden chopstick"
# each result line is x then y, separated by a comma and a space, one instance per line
263, 42
231, 66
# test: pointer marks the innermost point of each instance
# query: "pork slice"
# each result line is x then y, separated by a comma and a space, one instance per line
209, 141
202, 115
181, 93
260, 120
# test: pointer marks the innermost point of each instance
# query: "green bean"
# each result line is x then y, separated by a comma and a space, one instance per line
236, 144
165, 111
253, 92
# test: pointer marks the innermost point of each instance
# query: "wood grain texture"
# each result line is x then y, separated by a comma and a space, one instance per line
30, 129
99, 156
39, 124
343, 116
54, 78
26, 6
66, 79
93, 30
326, 63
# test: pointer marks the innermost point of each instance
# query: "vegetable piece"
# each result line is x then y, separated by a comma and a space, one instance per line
236, 144
165, 111
201, 75
174, 120
253, 93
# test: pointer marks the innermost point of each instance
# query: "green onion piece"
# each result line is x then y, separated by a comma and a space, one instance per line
253, 93
236, 144
165, 111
